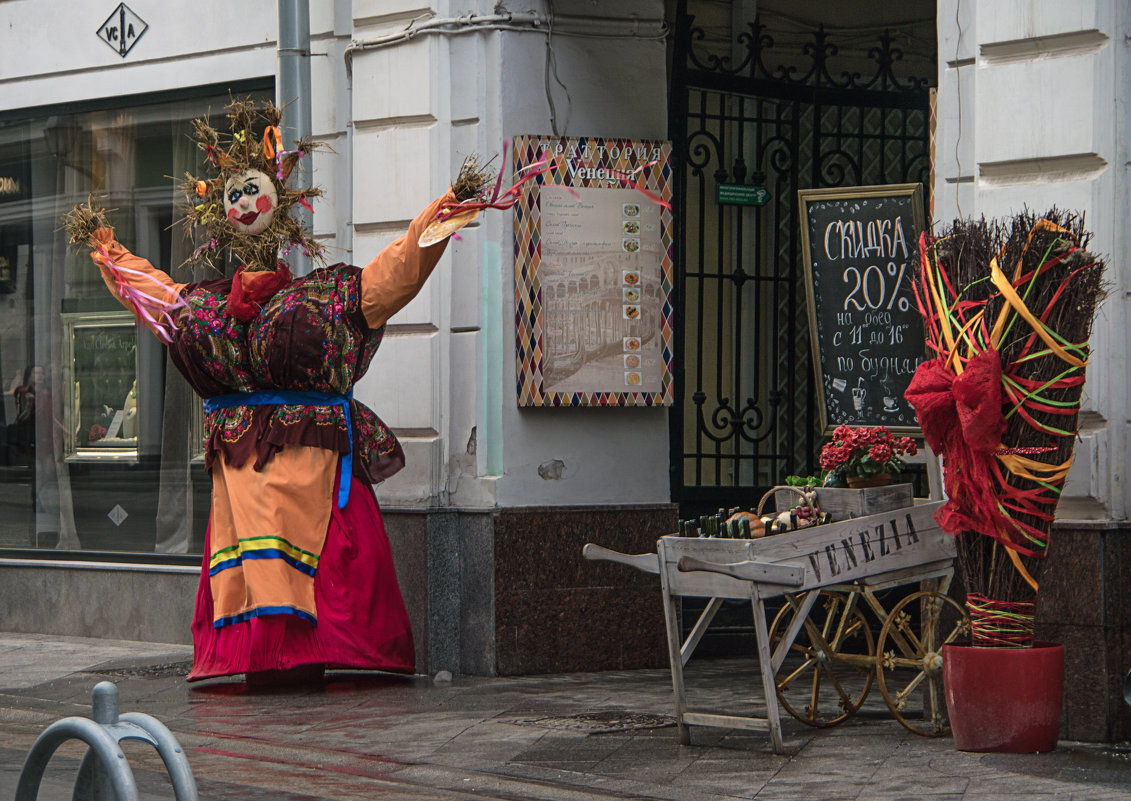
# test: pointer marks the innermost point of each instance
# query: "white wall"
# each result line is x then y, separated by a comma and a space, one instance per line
419, 107
615, 88
52, 53
1032, 112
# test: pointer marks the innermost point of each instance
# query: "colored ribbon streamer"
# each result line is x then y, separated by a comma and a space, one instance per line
287, 397
497, 199
272, 141
154, 311
627, 179
980, 497
286, 161
1000, 624
501, 200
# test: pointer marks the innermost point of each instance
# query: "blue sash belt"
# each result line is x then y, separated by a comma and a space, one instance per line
282, 397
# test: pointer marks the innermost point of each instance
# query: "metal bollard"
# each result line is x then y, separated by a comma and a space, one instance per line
1127, 687
104, 768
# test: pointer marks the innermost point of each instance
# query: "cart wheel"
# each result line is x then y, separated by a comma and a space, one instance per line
907, 661
828, 671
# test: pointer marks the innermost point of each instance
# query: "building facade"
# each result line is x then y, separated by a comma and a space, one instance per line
1031, 114
103, 477
104, 494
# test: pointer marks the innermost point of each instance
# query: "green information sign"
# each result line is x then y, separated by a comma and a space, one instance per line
743, 195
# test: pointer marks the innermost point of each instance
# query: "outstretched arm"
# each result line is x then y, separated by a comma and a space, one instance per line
138, 285
394, 278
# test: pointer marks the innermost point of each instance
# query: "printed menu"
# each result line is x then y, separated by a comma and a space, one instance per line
593, 266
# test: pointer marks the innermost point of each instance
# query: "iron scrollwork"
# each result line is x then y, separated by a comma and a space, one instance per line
757, 43
747, 412
727, 423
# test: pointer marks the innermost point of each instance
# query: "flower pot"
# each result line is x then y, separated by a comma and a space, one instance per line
1005, 700
862, 482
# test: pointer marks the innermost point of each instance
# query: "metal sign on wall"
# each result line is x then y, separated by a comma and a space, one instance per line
593, 273
122, 29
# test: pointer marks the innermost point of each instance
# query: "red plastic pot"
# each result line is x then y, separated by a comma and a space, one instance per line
1005, 700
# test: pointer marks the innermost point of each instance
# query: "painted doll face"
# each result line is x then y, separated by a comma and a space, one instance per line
250, 201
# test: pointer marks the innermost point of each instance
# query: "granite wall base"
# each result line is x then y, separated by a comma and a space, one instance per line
492, 592
117, 603
1084, 603
555, 611
506, 592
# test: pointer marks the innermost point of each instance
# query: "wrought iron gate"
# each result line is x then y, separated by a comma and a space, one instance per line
745, 413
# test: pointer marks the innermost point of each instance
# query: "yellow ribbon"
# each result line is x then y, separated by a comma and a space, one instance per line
1025, 574
1032, 469
1019, 465
1018, 305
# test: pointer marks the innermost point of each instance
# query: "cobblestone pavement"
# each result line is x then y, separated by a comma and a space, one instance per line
575, 737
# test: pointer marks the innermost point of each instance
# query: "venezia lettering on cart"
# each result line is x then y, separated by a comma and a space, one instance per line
122, 29
864, 546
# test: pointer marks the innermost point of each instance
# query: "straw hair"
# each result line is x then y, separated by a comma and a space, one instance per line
82, 221
471, 179
247, 144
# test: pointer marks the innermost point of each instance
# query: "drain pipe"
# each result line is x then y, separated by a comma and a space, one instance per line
292, 94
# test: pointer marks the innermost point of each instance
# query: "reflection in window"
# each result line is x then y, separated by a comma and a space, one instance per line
100, 365
97, 437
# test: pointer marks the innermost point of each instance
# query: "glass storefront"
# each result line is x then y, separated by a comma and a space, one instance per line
100, 439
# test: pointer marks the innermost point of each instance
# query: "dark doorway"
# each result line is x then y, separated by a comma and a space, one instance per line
746, 111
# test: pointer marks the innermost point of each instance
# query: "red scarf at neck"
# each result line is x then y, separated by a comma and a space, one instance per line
246, 297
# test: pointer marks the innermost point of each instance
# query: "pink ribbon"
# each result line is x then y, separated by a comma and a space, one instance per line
280, 157
498, 199
626, 180
152, 310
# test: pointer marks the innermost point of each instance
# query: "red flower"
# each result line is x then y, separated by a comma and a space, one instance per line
881, 453
831, 457
865, 451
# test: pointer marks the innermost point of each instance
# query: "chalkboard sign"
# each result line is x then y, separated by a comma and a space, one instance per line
861, 251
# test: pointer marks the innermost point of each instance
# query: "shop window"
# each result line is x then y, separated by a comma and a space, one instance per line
101, 441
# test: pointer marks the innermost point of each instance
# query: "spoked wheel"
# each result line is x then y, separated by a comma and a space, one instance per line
910, 659
828, 671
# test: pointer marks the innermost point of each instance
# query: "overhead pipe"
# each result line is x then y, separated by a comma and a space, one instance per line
521, 22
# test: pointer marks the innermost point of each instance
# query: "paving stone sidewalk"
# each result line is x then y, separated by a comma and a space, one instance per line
575, 737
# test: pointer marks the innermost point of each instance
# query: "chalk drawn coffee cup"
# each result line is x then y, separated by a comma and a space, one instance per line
858, 398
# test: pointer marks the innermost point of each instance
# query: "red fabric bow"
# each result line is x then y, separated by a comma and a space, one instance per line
245, 297
961, 417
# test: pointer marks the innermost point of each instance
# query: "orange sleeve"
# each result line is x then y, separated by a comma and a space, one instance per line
392, 279
137, 273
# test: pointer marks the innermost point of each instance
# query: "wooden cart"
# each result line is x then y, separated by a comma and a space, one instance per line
819, 657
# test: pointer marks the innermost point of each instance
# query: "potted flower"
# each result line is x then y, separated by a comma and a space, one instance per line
1008, 308
864, 457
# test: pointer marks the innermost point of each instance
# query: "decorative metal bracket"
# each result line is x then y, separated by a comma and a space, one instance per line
104, 767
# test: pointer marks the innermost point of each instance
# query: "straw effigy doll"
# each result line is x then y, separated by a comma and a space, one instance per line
298, 572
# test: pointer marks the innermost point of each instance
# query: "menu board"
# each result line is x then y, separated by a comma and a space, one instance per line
593, 273
861, 250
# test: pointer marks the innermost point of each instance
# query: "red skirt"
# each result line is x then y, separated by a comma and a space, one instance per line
362, 622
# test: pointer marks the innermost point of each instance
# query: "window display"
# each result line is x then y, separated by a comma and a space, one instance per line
100, 366
100, 442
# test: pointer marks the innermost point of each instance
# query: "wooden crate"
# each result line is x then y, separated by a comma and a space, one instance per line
834, 553
846, 504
